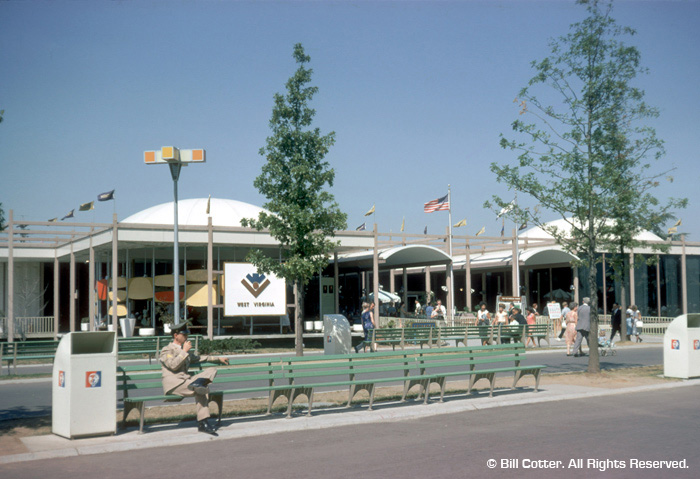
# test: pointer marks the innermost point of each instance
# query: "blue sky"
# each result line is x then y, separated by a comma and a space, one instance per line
416, 92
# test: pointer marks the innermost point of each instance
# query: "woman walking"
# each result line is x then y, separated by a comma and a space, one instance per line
367, 325
571, 320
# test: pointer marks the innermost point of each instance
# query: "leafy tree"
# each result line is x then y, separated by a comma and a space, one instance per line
302, 216
586, 152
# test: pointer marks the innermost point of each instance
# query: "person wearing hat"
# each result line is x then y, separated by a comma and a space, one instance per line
175, 359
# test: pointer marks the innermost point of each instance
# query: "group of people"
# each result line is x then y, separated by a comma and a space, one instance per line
633, 316
432, 310
575, 326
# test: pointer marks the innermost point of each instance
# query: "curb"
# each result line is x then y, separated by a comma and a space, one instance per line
236, 430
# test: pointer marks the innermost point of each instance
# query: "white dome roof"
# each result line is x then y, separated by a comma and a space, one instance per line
563, 225
193, 212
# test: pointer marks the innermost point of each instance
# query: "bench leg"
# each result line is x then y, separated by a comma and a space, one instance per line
142, 410
371, 396
475, 377
440, 382
409, 385
295, 393
356, 388
524, 372
273, 397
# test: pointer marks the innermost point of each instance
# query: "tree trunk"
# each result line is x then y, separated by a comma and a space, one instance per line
298, 319
593, 358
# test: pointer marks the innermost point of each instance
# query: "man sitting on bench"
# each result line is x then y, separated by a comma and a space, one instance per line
175, 359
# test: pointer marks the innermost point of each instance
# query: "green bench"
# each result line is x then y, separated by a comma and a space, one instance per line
463, 334
507, 333
300, 376
402, 336
479, 360
538, 332
26, 350
149, 345
147, 378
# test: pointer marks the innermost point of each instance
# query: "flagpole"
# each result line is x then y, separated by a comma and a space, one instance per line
452, 279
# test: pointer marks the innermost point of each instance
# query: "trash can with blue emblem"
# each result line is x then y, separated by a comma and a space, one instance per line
84, 391
682, 347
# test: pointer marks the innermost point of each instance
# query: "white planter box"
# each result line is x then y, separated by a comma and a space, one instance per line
357, 328
318, 325
147, 331
308, 325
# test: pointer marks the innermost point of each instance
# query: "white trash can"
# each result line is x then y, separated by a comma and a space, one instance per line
336, 334
84, 392
682, 347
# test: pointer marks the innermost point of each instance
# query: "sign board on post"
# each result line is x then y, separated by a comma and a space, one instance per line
250, 293
554, 310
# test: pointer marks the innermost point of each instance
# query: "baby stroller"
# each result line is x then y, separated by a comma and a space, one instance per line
607, 347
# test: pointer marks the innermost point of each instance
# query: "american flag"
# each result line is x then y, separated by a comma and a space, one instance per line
439, 204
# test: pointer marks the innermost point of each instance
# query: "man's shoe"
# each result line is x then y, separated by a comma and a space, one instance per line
205, 427
577, 355
199, 386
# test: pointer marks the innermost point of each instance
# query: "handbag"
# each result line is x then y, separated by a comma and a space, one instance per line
639, 324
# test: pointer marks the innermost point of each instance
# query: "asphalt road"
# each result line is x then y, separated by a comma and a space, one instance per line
33, 397
612, 433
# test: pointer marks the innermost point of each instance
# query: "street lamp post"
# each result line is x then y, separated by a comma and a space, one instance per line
176, 159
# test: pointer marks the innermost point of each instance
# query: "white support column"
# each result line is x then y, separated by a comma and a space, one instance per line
336, 294
468, 283
684, 278
427, 285
375, 275
605, 287
56, 297
404, 284
10, 279
658, 286
115, 275
91, 285
71, 282
576, 295
210, 279
633, 299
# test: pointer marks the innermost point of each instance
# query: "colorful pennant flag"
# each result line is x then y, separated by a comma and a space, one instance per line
503, 231
53, 219
522, 226
106, 196
209, 205
425, 231
371, 210
361, 227
87, 206
481, 231
403, 223
440, 204
673, 230
69, 215
461, 223
678, 223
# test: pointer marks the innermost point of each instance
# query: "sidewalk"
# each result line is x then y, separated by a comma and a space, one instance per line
52, 446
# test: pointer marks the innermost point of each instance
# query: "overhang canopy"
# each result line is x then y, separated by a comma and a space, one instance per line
409, 256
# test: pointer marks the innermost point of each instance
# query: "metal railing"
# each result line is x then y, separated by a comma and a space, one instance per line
29, 327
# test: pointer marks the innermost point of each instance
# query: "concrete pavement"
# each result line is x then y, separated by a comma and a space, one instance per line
51, 446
